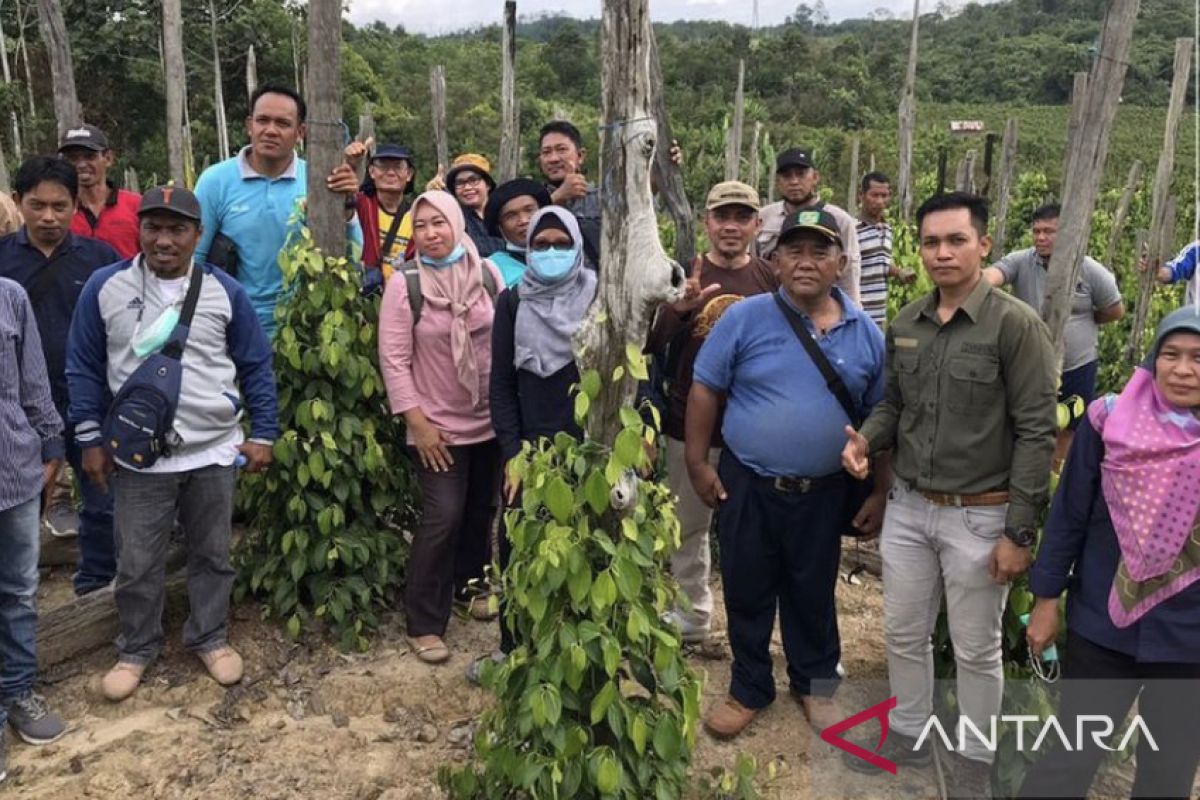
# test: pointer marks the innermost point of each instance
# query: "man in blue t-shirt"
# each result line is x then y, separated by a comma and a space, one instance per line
781, 495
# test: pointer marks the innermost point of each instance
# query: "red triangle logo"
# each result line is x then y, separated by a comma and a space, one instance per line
832, 734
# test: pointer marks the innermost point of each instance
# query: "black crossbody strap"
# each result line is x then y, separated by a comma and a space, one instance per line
833, 381
174, 347
390, 237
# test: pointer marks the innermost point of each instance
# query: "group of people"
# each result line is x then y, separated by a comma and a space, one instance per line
793, 412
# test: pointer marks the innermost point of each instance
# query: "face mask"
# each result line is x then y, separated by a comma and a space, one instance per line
514, 248
152, 338
552, 265
442, 263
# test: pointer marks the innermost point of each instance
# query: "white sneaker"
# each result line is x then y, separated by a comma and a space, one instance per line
62, 520
689, 633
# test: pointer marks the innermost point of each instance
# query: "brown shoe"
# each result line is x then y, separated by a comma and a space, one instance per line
430, 649
727, 718
122, 680
223, 664
821, 712
480, 608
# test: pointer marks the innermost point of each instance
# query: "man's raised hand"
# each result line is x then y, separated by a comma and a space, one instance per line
856, 454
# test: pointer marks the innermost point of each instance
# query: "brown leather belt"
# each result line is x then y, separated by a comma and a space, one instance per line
984, 499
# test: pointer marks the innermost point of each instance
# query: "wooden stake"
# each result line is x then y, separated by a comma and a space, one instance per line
908, 120
852, 189
1078, 92
131, 180
943, 156
635, 274
1006, 173
964, 179
1122, 213
667, 176
756, 158
218, 90
251, 72
510, 132
174, 79
62, 74
1090, 148
326, 213
733, 153
437, 90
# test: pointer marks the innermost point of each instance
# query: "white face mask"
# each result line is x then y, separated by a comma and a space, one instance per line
151, 338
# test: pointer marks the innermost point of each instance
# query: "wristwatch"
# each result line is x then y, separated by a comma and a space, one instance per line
1023, 536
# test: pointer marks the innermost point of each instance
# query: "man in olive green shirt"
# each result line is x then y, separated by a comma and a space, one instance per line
969, 411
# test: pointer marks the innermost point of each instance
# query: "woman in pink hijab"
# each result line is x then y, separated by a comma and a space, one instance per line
435, 354
1122, 541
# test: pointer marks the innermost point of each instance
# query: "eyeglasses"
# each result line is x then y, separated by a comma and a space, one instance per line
468, 181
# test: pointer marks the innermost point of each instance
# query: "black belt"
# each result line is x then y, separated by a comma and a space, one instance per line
793, 484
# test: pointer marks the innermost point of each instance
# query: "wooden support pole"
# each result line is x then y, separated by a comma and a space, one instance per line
16, 125
964, 178
1090, 148
437, 91
755, 178
326, 213
1006, 173
251, 72
943, 157
174, 81
62, 73
131, 180
667, 175
733, 152
510, 128
908, 121
23, 54
1078, 93
989, 148
852, 188
1122, 214
218, 90
635, 274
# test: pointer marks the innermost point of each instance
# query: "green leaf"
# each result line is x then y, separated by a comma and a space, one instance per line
611, 653
560, 500
608, 775
666, 738
579, 583
638, 732
628, 448
597, 491
602, 701
293, 626
582, 404
618, 373
637, 362
604, 591
589, 383
629, 529
630, 418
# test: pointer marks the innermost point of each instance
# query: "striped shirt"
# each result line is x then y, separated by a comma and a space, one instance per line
30, 428
875, 245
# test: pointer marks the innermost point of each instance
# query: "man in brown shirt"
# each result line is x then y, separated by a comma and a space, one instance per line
969, 409
723, 275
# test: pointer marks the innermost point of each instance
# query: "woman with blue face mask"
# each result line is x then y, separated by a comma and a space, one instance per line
533, 365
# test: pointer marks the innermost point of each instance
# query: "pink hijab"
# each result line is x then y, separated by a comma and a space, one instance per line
455, 287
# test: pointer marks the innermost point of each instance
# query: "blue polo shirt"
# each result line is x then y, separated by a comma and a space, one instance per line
780, 418
54, 284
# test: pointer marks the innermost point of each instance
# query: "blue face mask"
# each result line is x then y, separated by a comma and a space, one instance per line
552, 265
442, 263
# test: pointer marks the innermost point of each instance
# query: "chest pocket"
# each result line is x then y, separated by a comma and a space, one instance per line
972, 382
907, 364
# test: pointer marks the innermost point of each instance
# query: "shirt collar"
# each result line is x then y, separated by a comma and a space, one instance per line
113, 193
836, 293
249, 173
22, 238
971, 306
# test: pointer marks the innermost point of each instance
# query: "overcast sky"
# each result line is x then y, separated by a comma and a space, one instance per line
439, 16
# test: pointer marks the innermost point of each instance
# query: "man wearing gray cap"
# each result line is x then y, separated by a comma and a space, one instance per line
104, 212
798, 182
163, 305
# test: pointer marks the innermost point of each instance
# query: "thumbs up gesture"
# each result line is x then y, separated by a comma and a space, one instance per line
856, 454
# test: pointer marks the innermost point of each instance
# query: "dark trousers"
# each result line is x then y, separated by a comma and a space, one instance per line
1097, 680
97, 550
507, 640
451, 544
779, 551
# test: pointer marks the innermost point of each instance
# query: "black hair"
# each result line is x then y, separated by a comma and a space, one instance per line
276, 88
1048, 211
563, 127
976, 205
43, 169
873, 177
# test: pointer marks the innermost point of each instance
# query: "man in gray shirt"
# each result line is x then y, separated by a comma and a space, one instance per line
1096, 301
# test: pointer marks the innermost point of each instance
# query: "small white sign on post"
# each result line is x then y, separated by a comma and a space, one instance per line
967, 126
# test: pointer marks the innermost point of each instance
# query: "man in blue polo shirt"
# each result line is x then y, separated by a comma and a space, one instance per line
781, 495
253, 203
53, 264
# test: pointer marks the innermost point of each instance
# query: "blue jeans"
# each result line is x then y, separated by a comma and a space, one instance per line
97, 553
19, 531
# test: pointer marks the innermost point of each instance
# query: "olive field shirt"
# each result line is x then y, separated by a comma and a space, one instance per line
969, 405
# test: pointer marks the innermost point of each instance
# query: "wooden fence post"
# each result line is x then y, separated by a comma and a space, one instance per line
218, 90
1122, 213
756, 158
908, 120
733, 151
251, 72
510, 128
175, 80
964, 178
1006, 172
852, 188
437, 91
1078, 90
326, 213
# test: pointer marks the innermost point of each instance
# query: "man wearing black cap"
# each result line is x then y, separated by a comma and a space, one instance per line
509, 209
797, 182
775, 479
127, 312
382, 205
105, 212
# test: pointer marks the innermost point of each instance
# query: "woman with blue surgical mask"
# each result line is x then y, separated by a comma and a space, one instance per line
533, 365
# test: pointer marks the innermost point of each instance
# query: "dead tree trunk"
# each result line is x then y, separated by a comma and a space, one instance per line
733, 151
437, 91
297, 68
510, 128
756, 158
131, 180
218, 90
908, 120
1006, 171
1078, 91
62, 73
23, 54
1159, 196
852, 188
251, 72
1082, 183
636, 275
16, 125
667, 175
174, 78
326, 217
1122, 213
964, 178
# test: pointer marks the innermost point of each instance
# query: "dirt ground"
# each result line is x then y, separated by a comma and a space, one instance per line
310, 722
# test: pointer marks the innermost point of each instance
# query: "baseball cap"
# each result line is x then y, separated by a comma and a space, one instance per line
812, 219
87, 136
393, 151
175, 199
732, 193
473, 162
795, 157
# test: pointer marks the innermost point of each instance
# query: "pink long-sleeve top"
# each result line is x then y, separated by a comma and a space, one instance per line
418, 368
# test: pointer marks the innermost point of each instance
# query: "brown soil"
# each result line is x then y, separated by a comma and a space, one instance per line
310, 722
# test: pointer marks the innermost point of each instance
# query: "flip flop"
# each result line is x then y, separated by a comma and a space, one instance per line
432, 653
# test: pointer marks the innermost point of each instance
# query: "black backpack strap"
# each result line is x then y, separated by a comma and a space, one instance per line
833, 381
390, 237
174, 347
412, 280
489, 283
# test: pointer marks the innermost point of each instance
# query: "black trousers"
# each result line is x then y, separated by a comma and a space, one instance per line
1100, 681
451, 545
780, 551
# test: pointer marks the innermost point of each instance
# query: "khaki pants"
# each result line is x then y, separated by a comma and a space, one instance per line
692, 562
